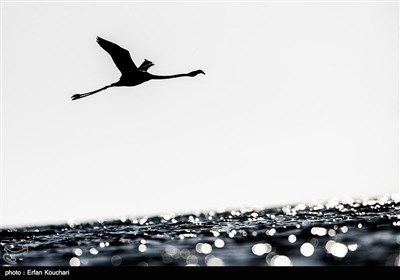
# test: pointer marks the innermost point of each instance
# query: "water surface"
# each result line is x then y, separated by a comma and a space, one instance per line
350, 233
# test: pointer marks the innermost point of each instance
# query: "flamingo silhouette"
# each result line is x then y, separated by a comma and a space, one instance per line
131, 75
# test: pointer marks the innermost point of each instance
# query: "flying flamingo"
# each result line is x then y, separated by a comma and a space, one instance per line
131, 75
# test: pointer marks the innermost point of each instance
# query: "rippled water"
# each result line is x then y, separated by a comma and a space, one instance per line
350, 233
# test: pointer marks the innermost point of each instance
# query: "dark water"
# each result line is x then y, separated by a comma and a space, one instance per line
351, 233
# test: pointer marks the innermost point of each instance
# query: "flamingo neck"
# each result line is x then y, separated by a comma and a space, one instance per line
158, 77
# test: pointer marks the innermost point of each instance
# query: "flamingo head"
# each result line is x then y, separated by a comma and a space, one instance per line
194, 73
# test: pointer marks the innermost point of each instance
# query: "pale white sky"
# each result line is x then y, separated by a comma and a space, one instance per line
299, 102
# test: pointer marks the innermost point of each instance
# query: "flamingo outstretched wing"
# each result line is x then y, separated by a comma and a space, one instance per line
120, 56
